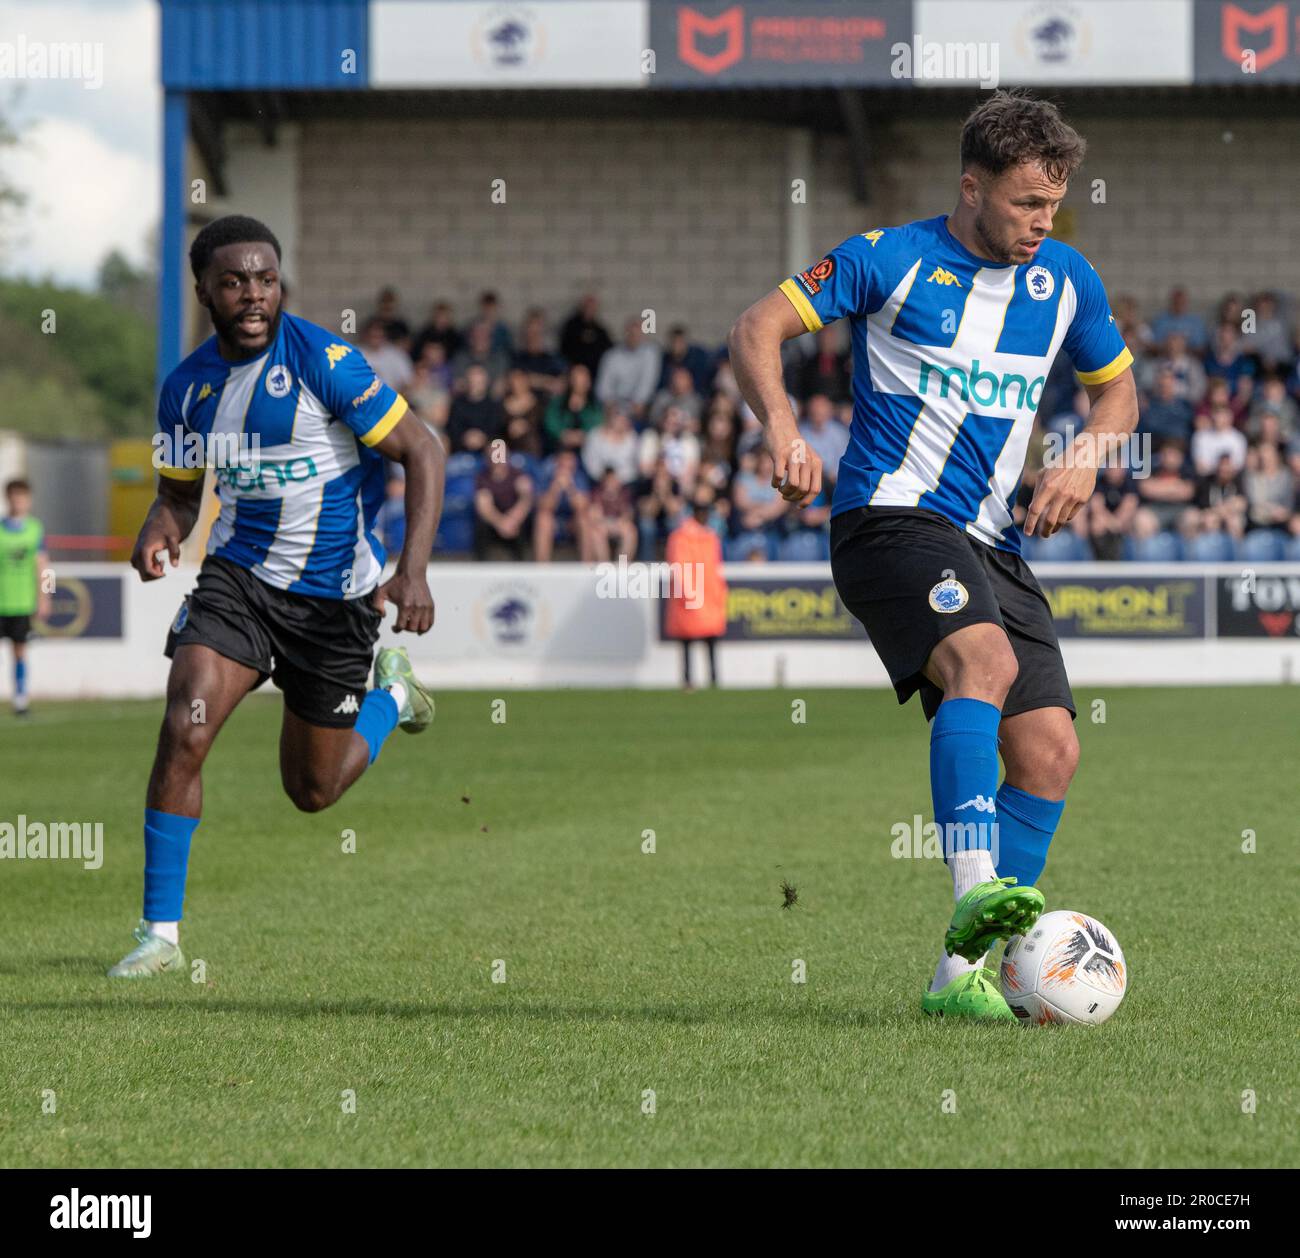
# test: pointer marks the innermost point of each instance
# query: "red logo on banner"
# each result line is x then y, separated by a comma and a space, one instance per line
691, 25
1273, 21
1276, 623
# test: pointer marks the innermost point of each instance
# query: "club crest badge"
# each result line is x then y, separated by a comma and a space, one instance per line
1039, 281
279, 380
181, 617
949, 596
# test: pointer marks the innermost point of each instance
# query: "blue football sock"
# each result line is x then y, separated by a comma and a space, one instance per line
1026, 824
964, 771
20, 677
166, 857
376, 720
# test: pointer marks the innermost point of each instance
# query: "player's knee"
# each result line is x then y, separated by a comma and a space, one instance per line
987, 672
311, 794
185, 734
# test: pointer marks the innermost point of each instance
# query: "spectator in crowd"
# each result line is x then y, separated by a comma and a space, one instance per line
679, 392
628, 372
388, 311
659, 506
489, 314
390, 520
807, 531
759, 509
697, 613
613, 517
719, 444
1132, 327
676, 444
681, 353
545, 370
1179, 320
1167, 492
1218, 439
1072, 420
478, 352
827, 370
1221, 500
476, 417
1270, 488
522, 411
1167, 414
1272, 399
390, 364
1188, 374
1272, 344
583, 338
503, 498
573, 412
824, 435
429, 393
563, 508
1108, 515
1230, 310
1225, 359
1217, 394
441, 329
612, 443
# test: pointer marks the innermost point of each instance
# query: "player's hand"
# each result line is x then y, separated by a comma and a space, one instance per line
1059, 494
156, 538
796, 469
410, 592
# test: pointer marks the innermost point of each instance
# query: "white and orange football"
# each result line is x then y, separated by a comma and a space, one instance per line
1068, 969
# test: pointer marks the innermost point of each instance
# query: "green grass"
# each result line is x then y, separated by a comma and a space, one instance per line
627, 972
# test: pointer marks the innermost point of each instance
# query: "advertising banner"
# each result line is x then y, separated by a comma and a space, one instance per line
1247, 42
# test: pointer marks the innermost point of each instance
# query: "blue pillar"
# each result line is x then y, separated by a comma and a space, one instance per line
175, 197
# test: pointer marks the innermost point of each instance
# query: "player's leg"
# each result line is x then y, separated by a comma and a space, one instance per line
317, 764
20, 677
203, 688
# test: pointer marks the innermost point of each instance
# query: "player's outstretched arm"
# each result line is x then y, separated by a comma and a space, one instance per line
421, 455
170, 521
1062, 491
755, 345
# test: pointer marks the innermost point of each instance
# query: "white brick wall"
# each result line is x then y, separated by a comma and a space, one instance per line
688, 218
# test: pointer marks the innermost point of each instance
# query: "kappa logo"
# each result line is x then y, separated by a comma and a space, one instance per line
981, 803
874, 237
206, 391
336, 353
1039, 281
348, 706
941, 276
949, 596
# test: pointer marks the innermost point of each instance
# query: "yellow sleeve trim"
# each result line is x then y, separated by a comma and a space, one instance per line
387, 424
1122, 361
801, 303
182, 473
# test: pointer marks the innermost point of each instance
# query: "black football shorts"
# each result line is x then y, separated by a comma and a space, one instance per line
16, 628
317, 650
913, 577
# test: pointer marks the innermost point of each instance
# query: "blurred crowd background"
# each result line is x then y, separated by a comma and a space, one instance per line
577, 435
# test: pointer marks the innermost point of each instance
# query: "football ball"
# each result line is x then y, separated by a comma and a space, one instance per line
1068, 969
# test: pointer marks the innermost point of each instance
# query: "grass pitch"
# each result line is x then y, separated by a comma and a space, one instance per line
639, 981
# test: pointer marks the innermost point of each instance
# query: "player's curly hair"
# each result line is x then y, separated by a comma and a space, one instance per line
1014, 127
233, 229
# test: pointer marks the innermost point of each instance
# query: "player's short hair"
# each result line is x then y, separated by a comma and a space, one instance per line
233, 229
1013, 127
17, 485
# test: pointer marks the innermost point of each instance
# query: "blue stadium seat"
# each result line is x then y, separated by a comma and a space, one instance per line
805, 546
1263, 546
1062, 547
456, 528
1213, 547
1162, 548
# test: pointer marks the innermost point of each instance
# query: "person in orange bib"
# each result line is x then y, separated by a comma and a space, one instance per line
697, 608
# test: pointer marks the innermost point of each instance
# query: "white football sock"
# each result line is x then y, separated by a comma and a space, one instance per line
951, 967
170, 931
969, 868
398, 691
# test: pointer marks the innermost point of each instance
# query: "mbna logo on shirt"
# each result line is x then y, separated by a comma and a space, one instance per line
984, 387
949, 596
263, 475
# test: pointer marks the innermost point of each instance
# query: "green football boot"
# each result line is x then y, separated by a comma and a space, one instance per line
990, 911
153, 956
974, 995
393, 664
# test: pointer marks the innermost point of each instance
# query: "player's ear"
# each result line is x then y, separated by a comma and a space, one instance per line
201, 293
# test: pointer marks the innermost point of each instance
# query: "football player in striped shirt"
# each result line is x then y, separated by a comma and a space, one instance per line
955, 323
296, 427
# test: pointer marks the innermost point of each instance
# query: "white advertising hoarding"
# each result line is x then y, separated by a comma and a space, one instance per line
480, 43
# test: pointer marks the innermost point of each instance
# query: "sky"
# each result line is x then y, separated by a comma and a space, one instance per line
89, 156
